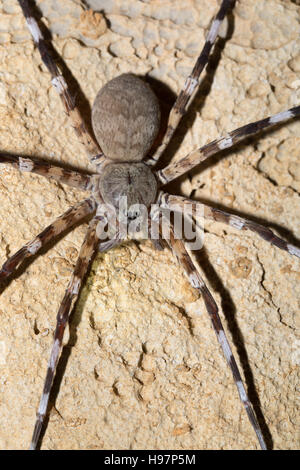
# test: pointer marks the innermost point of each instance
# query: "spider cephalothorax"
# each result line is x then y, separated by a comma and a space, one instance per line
133, 181
125, 119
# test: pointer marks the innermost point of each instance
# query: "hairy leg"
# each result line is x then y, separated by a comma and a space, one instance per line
174, 170
65, 176
65, 221
86, 253
192, 82
180, 251
178, 203
59, 83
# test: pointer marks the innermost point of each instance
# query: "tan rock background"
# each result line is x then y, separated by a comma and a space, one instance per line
145, 369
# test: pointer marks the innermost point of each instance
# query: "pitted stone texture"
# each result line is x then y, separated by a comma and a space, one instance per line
145, 369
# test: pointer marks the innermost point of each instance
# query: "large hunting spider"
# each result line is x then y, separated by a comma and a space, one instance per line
126, 159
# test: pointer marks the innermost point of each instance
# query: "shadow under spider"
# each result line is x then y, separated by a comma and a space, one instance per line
237, 338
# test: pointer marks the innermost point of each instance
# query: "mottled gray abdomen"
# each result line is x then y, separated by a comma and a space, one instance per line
125, 118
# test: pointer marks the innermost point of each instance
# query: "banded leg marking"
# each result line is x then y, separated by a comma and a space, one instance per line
67, 220
177, 203
59, 83
174, 170
192, 82
86, 253
65, 176
184, 258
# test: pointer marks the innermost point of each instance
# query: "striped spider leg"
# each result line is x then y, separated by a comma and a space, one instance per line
59, 83
184, 258
67, 220
178, 204
174, 170
72, 216
192, 82
87, 251
72, 178
90, 245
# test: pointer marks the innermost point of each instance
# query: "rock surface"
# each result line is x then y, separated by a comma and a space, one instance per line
144, 369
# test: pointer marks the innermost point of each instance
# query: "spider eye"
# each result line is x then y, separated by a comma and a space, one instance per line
133, 215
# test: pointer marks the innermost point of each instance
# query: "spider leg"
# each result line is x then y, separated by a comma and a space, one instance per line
65, 176
59, 83
87, 251
110, 242
179, 249
178, 203
66, 220
174, 170
192, 82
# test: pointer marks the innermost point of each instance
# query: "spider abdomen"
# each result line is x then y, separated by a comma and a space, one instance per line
127, 183
125, 118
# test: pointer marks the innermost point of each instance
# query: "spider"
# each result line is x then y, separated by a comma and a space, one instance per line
101, 183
